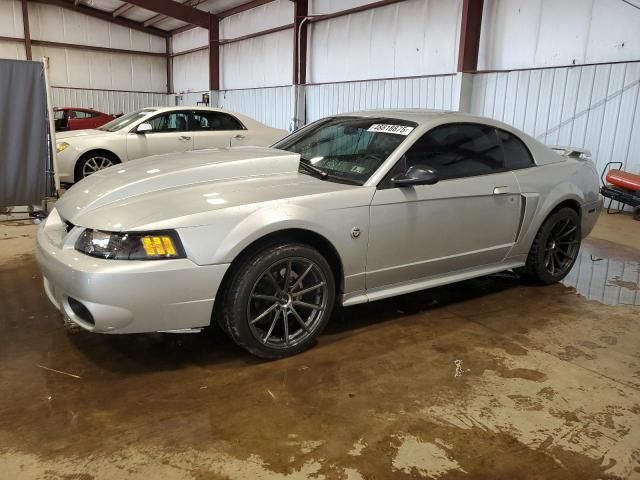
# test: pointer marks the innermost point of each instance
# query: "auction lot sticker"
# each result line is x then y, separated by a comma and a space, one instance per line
386, 128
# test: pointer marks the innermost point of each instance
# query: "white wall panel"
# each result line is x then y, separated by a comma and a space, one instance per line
595, 107
544, 33
11, 19
439, 92
412, 38
108, 71
108, 101
191, 72
12, 50
194, 38
264, 61
267, 16
55, 24
271, 106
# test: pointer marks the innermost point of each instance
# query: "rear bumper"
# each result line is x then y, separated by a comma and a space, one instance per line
589, 215
127, 296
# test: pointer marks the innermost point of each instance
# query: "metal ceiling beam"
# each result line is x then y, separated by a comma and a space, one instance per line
159, 18
106, 16
470, 27
175, 10
243, 7
124, 8
226, 13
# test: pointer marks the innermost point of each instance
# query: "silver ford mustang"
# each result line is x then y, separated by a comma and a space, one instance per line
350, 209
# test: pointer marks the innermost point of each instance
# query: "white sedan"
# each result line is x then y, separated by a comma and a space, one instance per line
153, 131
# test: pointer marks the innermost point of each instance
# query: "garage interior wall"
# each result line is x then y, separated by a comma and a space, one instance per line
564, 82
111, 82
555, 69
572, 82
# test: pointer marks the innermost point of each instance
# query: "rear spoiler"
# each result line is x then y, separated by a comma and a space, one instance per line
573, 152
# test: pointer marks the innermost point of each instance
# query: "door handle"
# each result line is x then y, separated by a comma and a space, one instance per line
184, 138
501, 190
239, 136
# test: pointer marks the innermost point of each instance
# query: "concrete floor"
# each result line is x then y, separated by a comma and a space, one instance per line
490, 378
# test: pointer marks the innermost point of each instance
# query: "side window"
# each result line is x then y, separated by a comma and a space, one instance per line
516, 154
169, 122
458, 150
215, 121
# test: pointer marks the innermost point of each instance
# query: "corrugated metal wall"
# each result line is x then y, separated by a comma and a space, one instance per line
595, 107
440, 92
272, 106
108, 101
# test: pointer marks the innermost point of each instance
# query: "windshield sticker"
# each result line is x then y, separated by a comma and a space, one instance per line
386, 128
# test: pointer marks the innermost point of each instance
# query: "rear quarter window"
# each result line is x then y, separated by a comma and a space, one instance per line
516, 154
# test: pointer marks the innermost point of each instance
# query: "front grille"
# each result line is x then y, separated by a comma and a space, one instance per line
68, 226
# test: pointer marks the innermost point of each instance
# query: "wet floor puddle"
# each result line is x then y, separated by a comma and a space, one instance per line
608, 279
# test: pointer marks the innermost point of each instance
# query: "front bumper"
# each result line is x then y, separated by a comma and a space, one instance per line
125, 296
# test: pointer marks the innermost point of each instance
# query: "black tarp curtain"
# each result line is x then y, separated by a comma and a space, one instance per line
23, 133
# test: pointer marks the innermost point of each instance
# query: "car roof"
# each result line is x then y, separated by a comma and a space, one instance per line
419, 115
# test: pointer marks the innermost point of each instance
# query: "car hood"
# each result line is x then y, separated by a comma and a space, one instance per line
174, 189
80, 133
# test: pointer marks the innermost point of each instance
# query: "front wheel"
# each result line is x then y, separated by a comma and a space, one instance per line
94, 162
279, 300
555, 248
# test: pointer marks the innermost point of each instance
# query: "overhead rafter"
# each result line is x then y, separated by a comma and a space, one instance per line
124, 8
227, 13
175, 10
106, 16
160, 17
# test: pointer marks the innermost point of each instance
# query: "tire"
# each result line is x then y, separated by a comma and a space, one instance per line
93, 162
263, 309
636, 213
555, 247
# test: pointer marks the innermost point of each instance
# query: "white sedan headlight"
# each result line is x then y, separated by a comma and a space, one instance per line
61, 146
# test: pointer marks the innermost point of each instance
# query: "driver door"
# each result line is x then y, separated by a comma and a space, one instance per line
169, 134
468, 219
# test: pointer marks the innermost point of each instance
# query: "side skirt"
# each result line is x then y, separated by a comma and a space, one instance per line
423, 284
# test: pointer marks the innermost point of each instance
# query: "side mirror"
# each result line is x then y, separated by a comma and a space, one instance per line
416, 175
144, 128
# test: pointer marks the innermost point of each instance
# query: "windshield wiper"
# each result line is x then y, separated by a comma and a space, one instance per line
321, 174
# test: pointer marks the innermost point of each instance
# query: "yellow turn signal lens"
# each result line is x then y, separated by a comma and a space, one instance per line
159, 246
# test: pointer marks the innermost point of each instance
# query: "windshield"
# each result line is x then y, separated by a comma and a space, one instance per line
350, 149
125, 120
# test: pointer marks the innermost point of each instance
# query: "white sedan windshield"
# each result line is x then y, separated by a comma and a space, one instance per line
125, 120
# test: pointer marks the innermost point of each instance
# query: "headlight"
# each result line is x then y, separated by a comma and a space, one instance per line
130, 246
61, 146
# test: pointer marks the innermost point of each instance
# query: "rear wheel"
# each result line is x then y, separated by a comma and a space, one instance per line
555, 248
93, 162
279, 300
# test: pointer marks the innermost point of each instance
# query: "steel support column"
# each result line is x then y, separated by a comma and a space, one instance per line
214, 52
470, 35
169, 59
27, 35
300, 23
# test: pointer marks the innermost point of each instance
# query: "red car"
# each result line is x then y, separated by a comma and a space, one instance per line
68, 118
